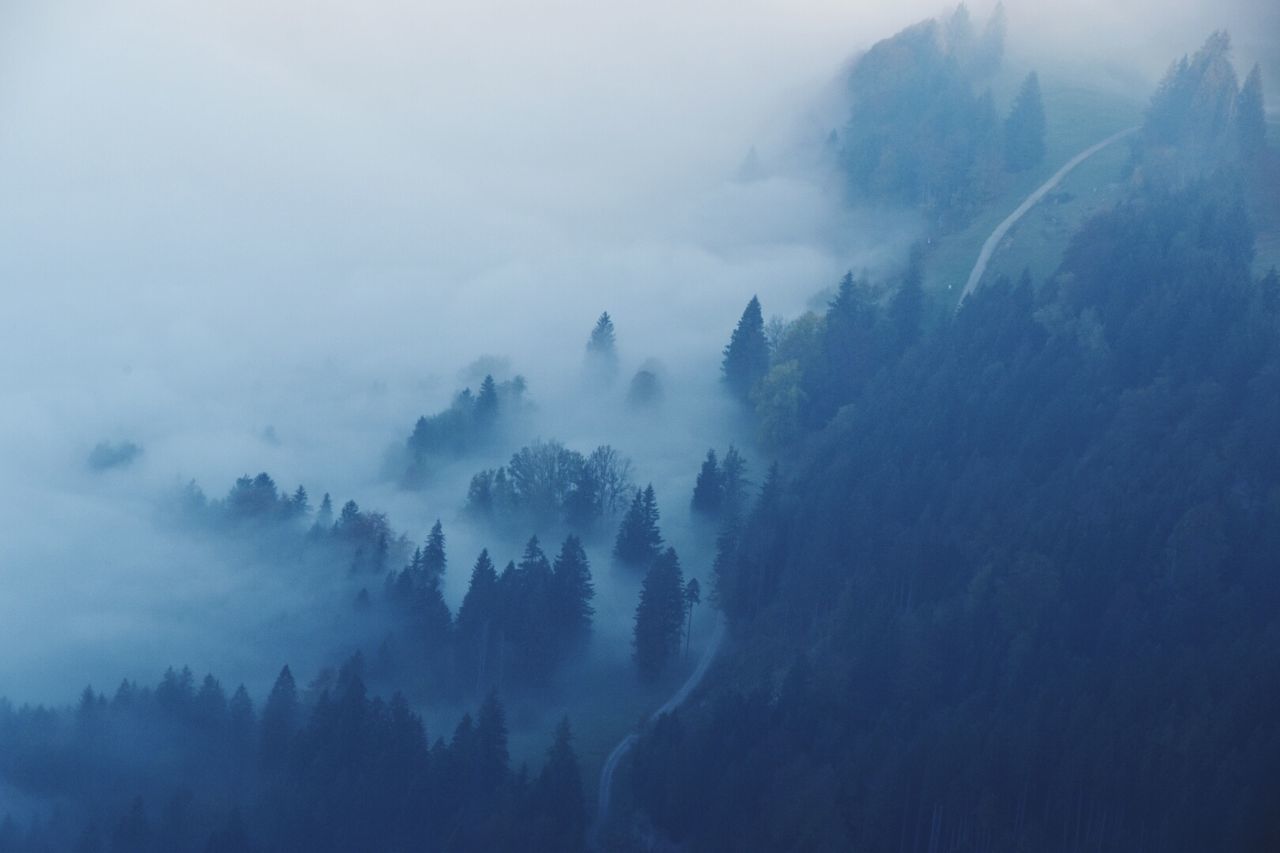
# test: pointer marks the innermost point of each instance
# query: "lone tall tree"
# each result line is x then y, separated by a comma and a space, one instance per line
659, 616
746, 358
602, 350
1024, 128
639, 540
572, 592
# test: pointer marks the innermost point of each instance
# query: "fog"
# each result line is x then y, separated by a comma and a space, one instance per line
267, 236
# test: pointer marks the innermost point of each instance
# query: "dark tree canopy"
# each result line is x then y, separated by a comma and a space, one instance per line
659, 624
746, 358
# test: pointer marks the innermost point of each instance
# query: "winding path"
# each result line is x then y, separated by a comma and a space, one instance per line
989, 247
624, 746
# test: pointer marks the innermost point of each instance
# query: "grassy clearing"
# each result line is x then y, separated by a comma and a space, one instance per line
1076, 118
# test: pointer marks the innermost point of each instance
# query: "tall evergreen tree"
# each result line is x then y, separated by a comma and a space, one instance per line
491, 746
734, 483
1025, 127
478, 623
573, 592
659, 624
708, 491
1251, 121
486, 407
746, 358
434, 560
602, 350
559, 808
279, 719
639, 540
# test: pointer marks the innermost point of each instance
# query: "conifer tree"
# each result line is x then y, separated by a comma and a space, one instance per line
1024, 128
746, 358
733, 483
559, 809
602, 350
477, 622
433, 561
486, 407
659, 623
491, 746
573, 592
708, 491
279, 719
1251, 121
639, 540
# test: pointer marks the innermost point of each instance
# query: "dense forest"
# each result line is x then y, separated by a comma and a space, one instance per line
939, 576
1018, 591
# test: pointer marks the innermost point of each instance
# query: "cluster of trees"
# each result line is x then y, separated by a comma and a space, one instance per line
639, 540
547, 484
184, 769
472, 422
1019, 585
515, 628
1201, 120
254, 506
721, 488
919, 133
664, 615
512, 630
819, 363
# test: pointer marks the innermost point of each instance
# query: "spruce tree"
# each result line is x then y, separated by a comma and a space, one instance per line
433, 563
491, 746
602, 350
559, 809
573, 592
639, 540
477, 622
1024, 128
692, 597
708, 492
746, 358
485, 412
659, 623
1251, 121
279, 719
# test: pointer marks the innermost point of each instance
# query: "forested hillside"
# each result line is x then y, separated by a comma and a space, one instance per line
1018, 590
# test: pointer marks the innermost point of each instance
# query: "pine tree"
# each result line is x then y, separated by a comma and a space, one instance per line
491, 746
1251, 121
639, 540
602, 350
279, 719
1024, 128
486, 407
478, 622
746, 358
708, 492
433, 556
659, 623
573, 591
528, 601
559, 808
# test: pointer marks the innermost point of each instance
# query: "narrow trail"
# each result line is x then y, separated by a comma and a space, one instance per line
624, 746
989, 247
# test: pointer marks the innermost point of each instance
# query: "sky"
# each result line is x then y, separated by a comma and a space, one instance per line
268, 234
